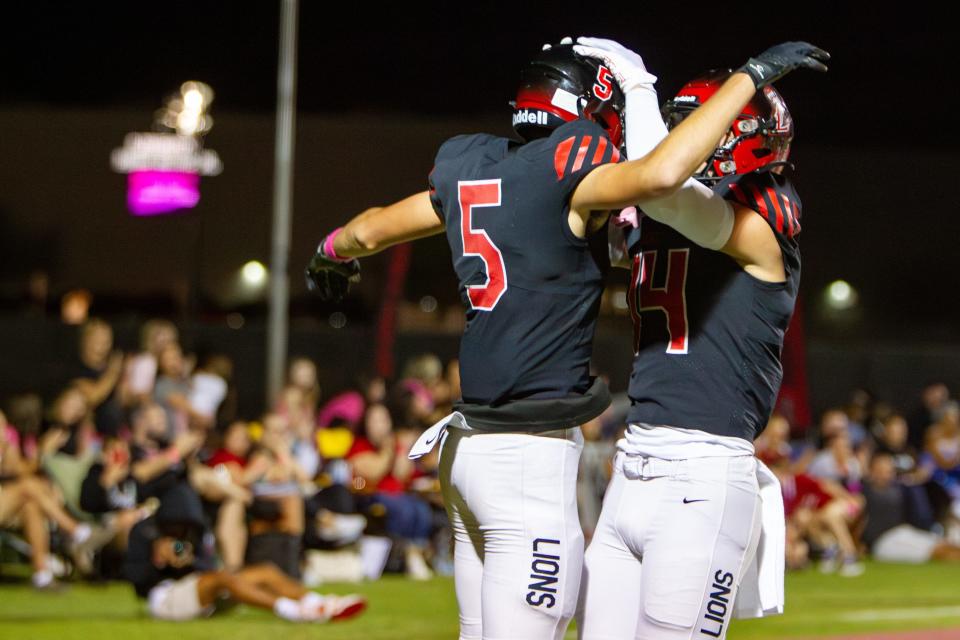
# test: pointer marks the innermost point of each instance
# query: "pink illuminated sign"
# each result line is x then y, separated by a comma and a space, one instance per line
163, 171
153, 192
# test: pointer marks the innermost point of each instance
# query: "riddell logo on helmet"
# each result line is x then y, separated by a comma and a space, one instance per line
529, 116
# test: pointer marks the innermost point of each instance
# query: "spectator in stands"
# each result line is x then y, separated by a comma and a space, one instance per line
97, 375
208, 389
159, 458
331, 518
427, 370
110, 491
773, 443
913, 477
893, 440
70, 413
141, 369
833, 421
426, 367
838, 463
68, 446
411, 406
382, 473
169, 565
858, 415
823, 511
888, 533
172, 392
943, 448
230, 462
295, 406
277, 527
933, 402
374, 389
302, 374
29, 502
25, 414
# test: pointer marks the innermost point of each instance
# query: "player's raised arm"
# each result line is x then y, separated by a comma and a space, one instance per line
334, 267
380, 227
666, 168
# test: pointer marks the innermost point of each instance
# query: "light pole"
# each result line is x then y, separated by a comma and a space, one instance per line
277, 323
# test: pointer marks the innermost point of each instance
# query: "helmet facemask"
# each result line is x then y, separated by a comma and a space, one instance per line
760, 135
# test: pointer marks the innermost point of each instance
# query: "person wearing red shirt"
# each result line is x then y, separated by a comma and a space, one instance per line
382, 470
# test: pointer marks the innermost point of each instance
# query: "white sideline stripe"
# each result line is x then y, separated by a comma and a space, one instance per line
868, 615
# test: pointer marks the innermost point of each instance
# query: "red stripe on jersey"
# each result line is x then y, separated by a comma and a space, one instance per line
616, 155
762, 207
601, 149
581, 153
780, 212
561, 156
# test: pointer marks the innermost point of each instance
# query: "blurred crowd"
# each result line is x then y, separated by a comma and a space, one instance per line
154, 437
146, 446
870, 480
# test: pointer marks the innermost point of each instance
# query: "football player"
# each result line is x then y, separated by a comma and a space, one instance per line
715, 272
519, 218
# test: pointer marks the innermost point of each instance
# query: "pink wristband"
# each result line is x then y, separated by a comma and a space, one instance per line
327, 246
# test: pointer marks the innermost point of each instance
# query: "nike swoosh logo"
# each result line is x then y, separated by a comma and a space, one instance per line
430, 440
685, 501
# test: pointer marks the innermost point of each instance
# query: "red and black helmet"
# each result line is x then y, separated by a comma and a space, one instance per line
558, 86
758, 137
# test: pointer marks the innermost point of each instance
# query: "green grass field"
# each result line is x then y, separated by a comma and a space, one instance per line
886, 597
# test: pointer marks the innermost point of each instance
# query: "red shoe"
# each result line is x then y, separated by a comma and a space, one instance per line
347, 606
333, 607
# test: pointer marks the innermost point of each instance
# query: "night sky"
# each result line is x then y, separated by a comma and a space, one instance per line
884, 111
442, 58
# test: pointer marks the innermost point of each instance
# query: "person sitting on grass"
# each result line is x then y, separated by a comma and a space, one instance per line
29, 502
170, 566
888, 533
824, 512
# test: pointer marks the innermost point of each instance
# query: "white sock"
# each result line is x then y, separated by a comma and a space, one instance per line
42, 578
288, 609
82, 533
312, 600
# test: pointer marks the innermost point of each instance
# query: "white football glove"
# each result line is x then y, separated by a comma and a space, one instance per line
626, 66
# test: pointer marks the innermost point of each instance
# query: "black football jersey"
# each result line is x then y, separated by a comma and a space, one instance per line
708, 336
530, 287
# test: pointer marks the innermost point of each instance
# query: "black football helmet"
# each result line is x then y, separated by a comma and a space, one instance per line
558, 86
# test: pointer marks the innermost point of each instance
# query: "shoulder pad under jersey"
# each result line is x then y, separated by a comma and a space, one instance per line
768, 193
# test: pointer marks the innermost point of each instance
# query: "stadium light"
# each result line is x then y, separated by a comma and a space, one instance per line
840, 295
254, 274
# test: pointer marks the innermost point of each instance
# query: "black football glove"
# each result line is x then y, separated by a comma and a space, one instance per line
779, 60
331, 279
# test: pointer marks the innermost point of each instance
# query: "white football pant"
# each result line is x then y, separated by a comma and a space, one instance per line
512, 502
668, 554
